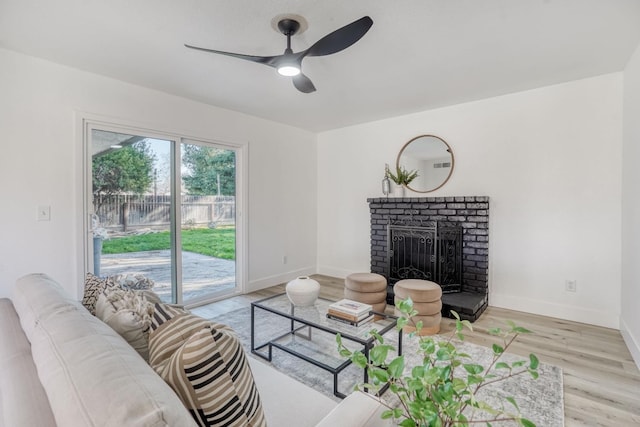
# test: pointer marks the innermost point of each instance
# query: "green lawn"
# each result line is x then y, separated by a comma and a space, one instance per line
217, 242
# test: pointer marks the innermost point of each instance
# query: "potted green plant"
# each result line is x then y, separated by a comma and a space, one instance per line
402, 178
441, 391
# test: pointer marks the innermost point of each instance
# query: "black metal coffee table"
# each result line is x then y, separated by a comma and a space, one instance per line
309, 335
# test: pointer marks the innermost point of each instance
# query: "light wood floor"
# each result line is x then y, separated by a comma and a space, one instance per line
601, 381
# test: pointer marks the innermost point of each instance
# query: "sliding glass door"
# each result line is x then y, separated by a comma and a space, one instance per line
164, 208
208, 217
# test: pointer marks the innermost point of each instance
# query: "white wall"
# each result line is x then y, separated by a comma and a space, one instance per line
40, 164
630, 314
550, 161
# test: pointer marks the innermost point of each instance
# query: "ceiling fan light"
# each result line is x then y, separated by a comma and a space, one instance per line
289, 70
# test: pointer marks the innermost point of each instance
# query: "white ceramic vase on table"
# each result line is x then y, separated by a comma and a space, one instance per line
303, 291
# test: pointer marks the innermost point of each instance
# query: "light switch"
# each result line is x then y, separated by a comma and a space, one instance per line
44, 213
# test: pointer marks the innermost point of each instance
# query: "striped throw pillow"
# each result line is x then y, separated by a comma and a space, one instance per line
206, 366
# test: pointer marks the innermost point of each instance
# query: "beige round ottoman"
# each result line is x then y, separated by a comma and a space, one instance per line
427, 301
368, 288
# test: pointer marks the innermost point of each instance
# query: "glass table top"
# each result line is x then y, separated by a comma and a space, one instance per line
316, 315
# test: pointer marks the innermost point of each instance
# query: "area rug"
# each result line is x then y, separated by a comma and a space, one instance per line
540, 401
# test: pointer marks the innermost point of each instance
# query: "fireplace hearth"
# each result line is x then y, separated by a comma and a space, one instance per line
442, 239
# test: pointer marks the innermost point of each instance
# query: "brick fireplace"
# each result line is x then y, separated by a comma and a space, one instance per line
463, 272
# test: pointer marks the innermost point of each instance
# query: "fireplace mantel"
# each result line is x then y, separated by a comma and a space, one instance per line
470, 212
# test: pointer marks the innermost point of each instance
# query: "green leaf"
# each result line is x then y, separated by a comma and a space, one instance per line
526, 423
497, 349
388, 414
379, 374
474, 379
339, 339
358, 359
495, 331
402, 322
521, 330
455, 314
534, 374
374, 333
378, 354
405, 306
428, 346
407, 423
513, 402
473, 369
518, 364
533, 361
396, 367
345, 353
502, 365
445, 372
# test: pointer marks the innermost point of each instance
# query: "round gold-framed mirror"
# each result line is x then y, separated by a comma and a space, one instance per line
431, 157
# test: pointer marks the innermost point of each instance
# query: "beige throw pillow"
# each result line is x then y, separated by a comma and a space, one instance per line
129, 314
206, 366
136, 282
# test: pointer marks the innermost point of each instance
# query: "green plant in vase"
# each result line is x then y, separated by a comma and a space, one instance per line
441, 390
402, 176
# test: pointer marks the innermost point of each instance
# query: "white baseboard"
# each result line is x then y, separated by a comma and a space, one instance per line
632, 344
561, 311
269, 281
337, 272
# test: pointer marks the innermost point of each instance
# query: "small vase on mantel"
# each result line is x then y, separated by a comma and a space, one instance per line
303, 291
397, 190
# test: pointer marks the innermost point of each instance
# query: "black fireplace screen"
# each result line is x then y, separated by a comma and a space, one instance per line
429, 251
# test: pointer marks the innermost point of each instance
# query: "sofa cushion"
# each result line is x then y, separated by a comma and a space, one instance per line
92, 377
206, 366
357, 410
20, 388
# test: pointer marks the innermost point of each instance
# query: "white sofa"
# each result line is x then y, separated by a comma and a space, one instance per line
61, 366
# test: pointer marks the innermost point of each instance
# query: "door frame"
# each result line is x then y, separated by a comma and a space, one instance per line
85, 122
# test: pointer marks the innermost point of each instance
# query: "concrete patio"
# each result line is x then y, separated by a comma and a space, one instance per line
202, 275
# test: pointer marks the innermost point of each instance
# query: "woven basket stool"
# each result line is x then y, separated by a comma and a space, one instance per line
368, 288
427, 301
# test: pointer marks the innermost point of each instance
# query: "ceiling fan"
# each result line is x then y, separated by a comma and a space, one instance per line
290, 63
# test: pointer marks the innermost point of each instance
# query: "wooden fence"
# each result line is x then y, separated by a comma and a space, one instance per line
123, 212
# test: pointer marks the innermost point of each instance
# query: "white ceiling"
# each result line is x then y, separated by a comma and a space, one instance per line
419, 54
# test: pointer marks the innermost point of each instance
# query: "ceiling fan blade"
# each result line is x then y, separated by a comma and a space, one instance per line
266, 60
303, 83
341, 38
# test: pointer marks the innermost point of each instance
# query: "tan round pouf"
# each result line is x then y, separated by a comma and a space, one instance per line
418, 290
426, 297
379, 307
368, 288
366, 297
365, 282
424, 308
430, 324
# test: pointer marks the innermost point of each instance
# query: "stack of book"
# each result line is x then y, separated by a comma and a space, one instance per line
352, 312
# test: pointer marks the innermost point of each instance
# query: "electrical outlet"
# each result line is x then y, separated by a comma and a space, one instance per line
570, 285
44, 213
